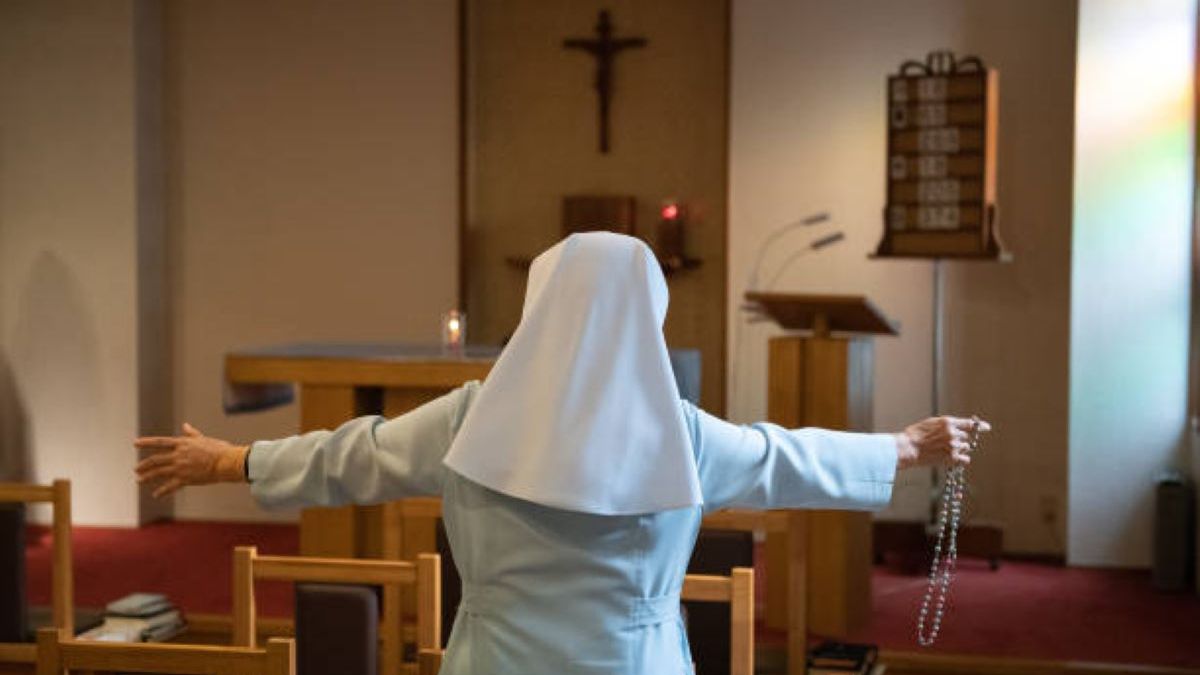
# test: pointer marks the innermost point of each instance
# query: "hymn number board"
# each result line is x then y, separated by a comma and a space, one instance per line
941, 168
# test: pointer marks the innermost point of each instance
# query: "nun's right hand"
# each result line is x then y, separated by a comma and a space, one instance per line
937, 441
190, 459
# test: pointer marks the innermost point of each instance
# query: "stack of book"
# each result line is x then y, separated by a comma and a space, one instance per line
841, 658
138, 617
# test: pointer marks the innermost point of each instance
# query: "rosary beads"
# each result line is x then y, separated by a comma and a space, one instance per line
941, 569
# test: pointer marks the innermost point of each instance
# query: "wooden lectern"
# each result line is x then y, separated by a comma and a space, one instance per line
822, 378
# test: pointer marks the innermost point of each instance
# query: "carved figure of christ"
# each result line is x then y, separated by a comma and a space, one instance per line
605, 49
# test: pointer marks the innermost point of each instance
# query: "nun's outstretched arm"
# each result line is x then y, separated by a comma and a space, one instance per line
765, 466
365, 461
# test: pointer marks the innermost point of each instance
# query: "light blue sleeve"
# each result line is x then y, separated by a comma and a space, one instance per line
764, 466
367, 460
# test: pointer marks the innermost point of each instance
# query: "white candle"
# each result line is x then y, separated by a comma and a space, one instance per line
454, 330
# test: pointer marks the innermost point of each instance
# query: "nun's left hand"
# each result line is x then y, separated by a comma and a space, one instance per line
934, 441
191, 459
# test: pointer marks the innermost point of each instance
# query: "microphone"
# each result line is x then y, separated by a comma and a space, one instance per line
827, 240
807, 221
823, 242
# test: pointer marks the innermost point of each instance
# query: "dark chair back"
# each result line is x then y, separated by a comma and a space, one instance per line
708, 626
13, 608
337, 629
451, 583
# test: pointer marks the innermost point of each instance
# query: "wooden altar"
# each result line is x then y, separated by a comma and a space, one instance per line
336, 383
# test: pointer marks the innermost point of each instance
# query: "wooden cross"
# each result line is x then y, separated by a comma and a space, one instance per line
605, 49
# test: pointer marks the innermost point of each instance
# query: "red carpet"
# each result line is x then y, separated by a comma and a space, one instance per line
1043, 611
189, 561
1023, 610
1039, 611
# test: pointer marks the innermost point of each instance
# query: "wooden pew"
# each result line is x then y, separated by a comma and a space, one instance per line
738, 590
424, 574
62, 590
57, 653
429, 661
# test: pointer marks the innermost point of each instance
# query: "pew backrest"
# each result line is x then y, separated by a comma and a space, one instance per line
62, 584
424, 575
57, 653
737, 589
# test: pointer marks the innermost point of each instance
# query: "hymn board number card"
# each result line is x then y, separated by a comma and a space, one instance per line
941, 169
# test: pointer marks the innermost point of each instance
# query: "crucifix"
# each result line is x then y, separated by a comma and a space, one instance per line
605, 49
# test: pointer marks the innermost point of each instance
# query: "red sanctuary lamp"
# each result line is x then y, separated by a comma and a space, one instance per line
668, 236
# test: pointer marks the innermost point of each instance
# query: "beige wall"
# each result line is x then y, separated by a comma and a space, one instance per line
533, 139
312, 163
70, 213
807, 133
310, 151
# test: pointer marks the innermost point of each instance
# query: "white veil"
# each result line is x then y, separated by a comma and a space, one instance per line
581, 411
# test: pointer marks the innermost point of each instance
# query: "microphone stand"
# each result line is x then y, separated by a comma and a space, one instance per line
752, 281
827, 240
775, 235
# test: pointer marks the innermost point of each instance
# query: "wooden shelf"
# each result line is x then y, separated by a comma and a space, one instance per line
669, 267
1001, 256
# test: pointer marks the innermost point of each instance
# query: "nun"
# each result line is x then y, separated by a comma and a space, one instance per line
574, 478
